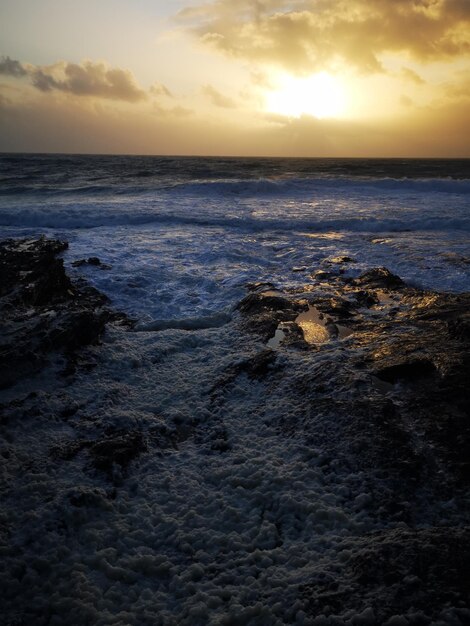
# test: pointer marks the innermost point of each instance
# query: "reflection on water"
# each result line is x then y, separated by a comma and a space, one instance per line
316, 328
331, 235
313, 325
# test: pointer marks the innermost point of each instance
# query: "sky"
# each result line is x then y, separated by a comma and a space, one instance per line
328, 78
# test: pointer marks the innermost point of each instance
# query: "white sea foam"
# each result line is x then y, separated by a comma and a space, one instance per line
195, 536
185, 246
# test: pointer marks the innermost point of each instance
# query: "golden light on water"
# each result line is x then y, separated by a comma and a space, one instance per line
320, 95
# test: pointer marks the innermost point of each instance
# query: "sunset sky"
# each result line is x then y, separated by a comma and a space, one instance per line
236, 77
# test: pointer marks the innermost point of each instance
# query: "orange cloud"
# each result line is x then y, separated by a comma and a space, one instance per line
303, 35
217, 98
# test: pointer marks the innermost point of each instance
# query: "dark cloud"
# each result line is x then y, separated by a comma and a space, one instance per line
218, 99
10, 67
303, 35
88, 79
85, 79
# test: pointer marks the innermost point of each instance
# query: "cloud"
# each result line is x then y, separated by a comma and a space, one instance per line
10, 67
406, 101
412, 76
76, 125
459, 89
175, 111
304, 35
158, 89
85, 79
88, 79
218, 99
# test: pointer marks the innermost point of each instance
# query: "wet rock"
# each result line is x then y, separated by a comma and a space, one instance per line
262, 314
322, 275
42, 310
338, 260
260, 286
93, 261
406, 371
31, 273
366, 299
258, 366
337, 307
79, 328
379, 278
255, 303
459, 328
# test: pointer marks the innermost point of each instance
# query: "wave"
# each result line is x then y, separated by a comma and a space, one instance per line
306, 185
87, 219
243, 187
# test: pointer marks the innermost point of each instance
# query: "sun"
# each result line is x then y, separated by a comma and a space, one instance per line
320, 95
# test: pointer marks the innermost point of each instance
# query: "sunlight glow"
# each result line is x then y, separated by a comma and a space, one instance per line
320, 95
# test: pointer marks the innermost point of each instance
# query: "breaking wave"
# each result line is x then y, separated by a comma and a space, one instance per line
237, 187
87, 218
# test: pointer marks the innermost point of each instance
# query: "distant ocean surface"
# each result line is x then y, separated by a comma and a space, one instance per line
185, 235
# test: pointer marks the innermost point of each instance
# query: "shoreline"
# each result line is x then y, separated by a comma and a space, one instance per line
177, 476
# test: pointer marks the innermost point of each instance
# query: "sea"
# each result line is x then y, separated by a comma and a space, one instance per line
182, 237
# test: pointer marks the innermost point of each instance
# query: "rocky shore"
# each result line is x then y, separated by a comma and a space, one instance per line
304, 461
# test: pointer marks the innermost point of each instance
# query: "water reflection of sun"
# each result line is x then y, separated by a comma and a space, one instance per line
320, 95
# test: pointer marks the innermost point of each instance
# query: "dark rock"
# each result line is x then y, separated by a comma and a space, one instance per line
79, 328
255, 303
258, 367
406, 371
30, 273
260, 286
42, 310
262, 314
366, 298
379, 278
337, 307
340, 259
94, 261
459, 327
322, 275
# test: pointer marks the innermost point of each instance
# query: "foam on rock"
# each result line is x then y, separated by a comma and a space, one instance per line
195, 477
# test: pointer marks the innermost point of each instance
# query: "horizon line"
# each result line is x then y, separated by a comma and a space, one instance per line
229, 156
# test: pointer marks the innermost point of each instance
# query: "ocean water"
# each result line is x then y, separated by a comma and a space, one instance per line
184, 236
